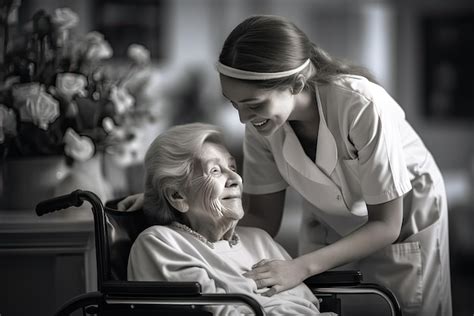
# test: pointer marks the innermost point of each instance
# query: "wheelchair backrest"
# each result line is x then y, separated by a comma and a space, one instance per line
122, 230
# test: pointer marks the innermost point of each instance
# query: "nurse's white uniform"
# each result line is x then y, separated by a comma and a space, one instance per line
366, 153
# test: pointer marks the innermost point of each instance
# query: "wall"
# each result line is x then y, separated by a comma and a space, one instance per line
443, 137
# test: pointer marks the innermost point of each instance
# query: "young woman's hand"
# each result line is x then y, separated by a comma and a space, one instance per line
131, 203
278, 275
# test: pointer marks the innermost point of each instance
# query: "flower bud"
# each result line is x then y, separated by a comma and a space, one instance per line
139, 54
80, 148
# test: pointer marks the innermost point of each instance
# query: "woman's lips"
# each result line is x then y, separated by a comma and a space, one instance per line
259, 123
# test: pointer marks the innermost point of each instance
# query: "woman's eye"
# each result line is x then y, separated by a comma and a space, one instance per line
215, 171
254, 106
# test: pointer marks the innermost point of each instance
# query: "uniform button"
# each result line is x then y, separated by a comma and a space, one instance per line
338, 197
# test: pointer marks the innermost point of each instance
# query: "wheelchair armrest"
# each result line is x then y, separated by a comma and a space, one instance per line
139, 289
335, 278
135, 292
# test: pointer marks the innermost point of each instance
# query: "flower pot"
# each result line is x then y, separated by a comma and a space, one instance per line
29, 180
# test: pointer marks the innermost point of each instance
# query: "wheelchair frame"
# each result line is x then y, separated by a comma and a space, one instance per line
130, 296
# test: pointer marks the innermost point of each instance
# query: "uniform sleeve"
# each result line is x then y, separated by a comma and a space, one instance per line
260, 172
153, 259
375, 134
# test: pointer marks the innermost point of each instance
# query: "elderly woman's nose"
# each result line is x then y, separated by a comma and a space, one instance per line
233, 178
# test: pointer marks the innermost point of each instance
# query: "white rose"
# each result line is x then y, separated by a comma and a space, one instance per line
139, 54
69, 85
64, 18
98, 51
41, 109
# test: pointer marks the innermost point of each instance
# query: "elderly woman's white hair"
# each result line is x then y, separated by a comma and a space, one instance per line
169, 164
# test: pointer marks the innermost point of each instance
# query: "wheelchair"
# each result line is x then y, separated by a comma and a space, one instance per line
115, 233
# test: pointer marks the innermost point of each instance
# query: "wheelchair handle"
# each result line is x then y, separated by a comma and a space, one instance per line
59, 203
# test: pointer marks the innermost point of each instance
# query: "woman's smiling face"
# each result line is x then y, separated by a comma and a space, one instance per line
215, 190
267, 110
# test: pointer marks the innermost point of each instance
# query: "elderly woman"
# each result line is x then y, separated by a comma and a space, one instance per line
193, 197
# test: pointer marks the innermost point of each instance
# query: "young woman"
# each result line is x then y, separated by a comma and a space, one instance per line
373, 194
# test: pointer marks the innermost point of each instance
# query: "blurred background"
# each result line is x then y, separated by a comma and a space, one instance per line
419, 50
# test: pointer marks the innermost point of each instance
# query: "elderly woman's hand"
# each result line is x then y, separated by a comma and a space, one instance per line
278, 275
131, 203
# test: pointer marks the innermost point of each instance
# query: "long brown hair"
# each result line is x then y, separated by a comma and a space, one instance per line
268, 43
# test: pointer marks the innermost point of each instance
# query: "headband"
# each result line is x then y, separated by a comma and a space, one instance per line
250, 75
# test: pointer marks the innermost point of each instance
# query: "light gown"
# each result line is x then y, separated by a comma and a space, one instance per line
167, 253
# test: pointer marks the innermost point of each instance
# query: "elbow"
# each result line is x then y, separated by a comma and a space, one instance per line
387, 232
392, 232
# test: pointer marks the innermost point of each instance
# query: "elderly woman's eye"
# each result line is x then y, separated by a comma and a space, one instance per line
215, 171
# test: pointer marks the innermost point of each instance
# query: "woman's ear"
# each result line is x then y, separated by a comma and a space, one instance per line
177, 200
299, 84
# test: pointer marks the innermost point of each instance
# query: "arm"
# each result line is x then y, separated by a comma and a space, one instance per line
264, 211
382, 229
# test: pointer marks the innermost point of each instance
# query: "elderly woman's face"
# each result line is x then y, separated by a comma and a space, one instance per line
216, 189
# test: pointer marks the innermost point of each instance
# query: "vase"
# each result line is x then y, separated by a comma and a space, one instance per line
88, 176
29, 180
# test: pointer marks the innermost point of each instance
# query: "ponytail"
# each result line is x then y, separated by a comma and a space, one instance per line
327, 67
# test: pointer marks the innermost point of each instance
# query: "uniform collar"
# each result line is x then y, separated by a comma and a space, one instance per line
326, 151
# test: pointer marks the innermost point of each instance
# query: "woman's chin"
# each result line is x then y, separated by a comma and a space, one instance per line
234, 209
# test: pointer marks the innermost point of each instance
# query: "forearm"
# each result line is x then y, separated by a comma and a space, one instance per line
382, 229
366, 240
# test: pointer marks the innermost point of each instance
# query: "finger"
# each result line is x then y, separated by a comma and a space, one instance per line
259, 270
260, 263
258, 276
123, 205
263, 283
135, 206
272, 291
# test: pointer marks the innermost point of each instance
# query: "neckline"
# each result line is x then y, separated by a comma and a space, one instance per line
234, 240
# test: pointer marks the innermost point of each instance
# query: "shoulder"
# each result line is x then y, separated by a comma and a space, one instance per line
160, 234
348, 96
356, 87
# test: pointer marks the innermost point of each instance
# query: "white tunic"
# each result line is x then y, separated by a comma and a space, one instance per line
166, 253
367, 153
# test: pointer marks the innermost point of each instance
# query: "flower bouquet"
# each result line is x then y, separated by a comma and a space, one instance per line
57, 95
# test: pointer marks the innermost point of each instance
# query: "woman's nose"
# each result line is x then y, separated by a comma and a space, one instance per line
244, 114
233, 178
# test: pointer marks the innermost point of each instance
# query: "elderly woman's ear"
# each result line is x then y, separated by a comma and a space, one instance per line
177, 200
